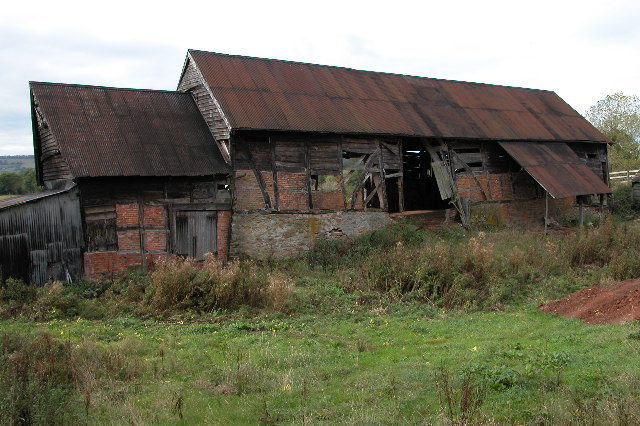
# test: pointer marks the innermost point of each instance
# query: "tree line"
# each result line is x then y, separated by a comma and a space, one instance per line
18, 183
617, 116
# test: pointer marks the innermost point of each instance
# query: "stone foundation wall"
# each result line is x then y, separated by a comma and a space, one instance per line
283, 235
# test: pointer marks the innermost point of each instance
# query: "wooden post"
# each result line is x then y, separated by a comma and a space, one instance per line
401, 179
546, 211
140, 201
580, 210
307, 166
274, 174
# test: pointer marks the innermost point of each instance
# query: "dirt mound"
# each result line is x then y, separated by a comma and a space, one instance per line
614, 304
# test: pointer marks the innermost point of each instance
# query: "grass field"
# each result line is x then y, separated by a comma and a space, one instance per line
16, 163
402, 336
368, 366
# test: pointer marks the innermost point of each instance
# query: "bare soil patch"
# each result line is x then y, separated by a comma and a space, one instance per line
614, 304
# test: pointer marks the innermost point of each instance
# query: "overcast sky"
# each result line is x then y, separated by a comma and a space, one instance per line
583, 50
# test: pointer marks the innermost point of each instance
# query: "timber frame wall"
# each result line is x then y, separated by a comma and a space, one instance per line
305, 173
134, 222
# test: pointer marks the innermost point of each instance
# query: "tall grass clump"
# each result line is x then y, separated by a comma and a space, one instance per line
489, 269
181, 283
36, 380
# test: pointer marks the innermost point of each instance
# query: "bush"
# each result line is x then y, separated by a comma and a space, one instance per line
186, 284
623, 202
15, 295
36, 380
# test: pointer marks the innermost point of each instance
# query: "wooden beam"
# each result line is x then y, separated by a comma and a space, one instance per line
307, 166
382, 184
260, 180
365, 172
342, 179
274, 174
466, 166
401, 180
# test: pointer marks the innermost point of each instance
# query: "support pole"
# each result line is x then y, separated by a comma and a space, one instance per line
546, 211
581, 210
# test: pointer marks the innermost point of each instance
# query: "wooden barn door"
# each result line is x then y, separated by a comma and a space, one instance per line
195, 233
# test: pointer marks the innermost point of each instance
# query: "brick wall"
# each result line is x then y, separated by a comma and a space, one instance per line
129, 239
325, 200
293, 191
496, 186
223, 230
126, 215
520, 213
100, 263
154, 215
247, 190
155, 240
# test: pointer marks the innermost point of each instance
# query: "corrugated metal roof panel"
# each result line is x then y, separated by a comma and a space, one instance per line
22, 199
296, 96
556, 168
104, 131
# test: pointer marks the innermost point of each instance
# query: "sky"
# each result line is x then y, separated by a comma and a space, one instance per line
583, 50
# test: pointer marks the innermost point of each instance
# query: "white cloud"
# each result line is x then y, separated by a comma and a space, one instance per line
583, 50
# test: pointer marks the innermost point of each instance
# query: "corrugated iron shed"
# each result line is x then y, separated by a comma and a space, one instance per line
556, 168
267, 94
102, 131
22, 199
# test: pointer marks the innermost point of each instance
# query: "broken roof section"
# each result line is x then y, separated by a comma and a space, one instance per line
556, 168
268, 94
102, 131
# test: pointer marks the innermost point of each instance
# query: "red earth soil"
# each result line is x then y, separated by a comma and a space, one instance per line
614, 304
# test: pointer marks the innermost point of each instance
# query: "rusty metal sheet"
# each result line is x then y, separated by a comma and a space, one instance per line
556, 168
295, 96
103, 131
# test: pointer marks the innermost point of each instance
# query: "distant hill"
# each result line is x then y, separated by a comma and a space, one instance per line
16, 163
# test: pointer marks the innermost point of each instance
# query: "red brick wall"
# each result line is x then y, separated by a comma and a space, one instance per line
108, 262
293, 191
129, 240
496, 186
126, 215
501, 207
247, 190
525, 213
327, 200
155, 240
223, 225
154, 215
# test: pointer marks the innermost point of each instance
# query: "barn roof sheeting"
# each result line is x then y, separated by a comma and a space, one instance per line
268, 94
104, 131
556, 168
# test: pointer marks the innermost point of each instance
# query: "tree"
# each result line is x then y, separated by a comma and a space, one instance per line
618, 117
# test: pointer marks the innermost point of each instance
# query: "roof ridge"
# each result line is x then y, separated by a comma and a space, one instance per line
91, 86
367, 71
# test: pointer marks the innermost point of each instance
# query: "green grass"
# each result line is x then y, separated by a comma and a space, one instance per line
441, 329
372, 366
4, 197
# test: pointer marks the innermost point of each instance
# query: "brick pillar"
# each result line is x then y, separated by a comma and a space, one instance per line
223, 233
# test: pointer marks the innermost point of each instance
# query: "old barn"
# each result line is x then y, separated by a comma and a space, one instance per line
259, 157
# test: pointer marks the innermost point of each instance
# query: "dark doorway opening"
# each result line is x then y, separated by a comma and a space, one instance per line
420, 188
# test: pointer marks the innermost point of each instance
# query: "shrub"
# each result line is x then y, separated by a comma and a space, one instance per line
187, 284
623, 203
36, 380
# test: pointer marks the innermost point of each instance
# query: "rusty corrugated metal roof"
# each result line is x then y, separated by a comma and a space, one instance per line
22, 199
268, 94
103, 131
556, 168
